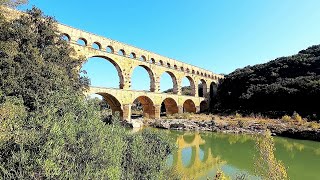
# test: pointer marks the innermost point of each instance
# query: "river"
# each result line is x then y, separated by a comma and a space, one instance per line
200, 154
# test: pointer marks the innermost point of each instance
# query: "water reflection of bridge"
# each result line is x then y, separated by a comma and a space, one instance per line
197, 166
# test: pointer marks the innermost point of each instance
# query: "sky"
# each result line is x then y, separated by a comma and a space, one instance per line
219, 36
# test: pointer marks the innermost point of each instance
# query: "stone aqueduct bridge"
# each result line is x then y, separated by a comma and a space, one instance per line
125, 58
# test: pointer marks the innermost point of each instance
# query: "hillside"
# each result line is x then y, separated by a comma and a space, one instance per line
281, 86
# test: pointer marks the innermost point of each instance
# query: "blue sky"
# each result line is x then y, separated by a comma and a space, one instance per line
217, 35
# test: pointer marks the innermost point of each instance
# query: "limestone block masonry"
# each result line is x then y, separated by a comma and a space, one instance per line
126, 58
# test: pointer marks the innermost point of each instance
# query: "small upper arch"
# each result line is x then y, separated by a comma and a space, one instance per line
96, 45
133, 55
82, 42
122, 52
110, 49
143, 58
65, 37
152, 61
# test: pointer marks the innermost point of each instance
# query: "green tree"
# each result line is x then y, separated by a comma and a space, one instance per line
47, 128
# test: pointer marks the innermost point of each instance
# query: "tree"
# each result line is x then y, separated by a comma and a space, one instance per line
48, 130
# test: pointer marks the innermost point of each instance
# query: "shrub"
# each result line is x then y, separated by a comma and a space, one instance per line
237, 116
297, 117
241, 123
314, 125
286, 118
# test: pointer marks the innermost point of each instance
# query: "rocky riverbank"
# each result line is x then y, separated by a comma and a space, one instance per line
238, 126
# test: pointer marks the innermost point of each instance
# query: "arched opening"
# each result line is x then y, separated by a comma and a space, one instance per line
96, 46
110, 49
161, 62
65, 37
187, 86
202, 88
142, 78
142, 107
189, 106
168, 83
204, 106
192, 71
152, 61
175, 67
181, 68
82, 42
169, 107
108, 105
213, 94
143, 58
168, 65
122, 52
103, 72
133, 55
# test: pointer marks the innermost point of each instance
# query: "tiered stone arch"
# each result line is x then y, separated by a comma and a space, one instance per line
116, 65
151, 76
189, 106
171, 106
113, 102
175, 85
149, 110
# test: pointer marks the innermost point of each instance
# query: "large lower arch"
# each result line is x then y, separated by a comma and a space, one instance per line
204, 106
113, 102
116, 65
147, 107
171, 106
189, 106
174, 81
212, 94
151, 76
192, 86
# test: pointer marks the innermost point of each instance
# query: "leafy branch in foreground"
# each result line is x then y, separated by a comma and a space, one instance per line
266, 164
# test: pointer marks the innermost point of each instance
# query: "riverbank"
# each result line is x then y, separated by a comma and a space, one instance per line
286, 127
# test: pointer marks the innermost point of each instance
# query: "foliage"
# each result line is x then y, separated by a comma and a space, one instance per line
47, 128
297, 117
266, 164
145, 162
279, 87
286, 118
12, 3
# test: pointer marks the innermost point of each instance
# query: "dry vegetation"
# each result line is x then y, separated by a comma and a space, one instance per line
238, 120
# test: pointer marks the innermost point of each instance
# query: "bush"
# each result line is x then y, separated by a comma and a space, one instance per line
286, 118
296, 117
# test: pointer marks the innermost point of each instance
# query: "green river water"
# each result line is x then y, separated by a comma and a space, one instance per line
200, 154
